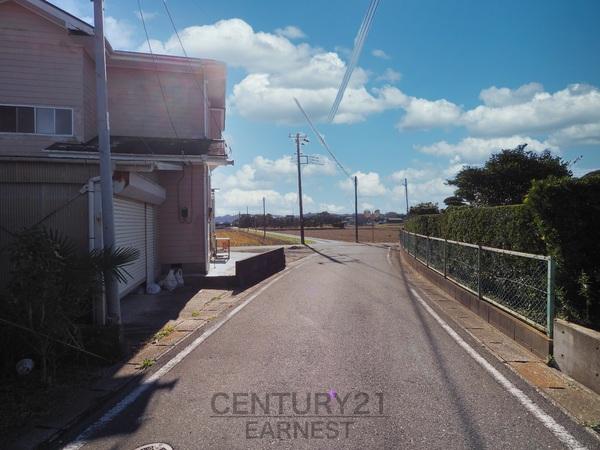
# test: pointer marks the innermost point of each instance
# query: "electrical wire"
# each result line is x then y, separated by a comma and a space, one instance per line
358, 46
162, 89
200, 87
320, 137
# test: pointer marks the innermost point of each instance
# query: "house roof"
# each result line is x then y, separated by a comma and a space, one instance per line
58, 15
147, 146
77, 26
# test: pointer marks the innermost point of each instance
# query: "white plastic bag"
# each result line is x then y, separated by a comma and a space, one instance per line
169, 282
179, 277
152, 288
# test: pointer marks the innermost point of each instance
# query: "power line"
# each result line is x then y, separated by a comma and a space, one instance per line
321, 139
162, 90
187, 57
361, 36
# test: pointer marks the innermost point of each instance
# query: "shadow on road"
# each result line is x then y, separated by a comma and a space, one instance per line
331, 258
462, 410
128, 420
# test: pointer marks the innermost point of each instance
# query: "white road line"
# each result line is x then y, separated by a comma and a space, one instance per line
557, 429
84, 436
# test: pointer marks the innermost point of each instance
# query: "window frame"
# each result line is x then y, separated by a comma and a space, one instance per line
35, 108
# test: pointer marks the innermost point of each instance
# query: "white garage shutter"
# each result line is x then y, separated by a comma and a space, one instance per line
135, 226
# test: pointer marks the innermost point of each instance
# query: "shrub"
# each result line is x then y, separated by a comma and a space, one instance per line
508, 227
50, 294
567, 213
427, 224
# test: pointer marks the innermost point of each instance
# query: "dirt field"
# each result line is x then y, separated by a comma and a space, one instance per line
241, 238
365, 234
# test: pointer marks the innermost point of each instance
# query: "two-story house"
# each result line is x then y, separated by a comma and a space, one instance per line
167, 115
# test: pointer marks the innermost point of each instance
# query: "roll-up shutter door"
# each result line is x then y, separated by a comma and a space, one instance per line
135, 226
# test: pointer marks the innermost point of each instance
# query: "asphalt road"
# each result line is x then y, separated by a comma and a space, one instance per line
341, 325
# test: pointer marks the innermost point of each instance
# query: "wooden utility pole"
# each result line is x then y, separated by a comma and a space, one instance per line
355, 208
102, 122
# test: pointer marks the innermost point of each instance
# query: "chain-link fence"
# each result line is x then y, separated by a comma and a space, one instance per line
521, 283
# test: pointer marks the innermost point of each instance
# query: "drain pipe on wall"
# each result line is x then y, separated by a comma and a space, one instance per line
91, 208
99, 307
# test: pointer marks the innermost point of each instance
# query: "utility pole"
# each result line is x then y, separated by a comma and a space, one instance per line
406, 194
300, 140
355, 209
264, 220
108, 221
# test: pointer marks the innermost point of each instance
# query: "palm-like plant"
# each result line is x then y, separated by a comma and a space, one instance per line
52, 289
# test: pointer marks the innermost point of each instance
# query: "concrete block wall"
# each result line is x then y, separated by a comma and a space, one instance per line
577, 353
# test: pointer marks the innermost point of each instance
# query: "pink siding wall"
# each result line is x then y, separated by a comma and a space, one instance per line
40, 65
182, 242
137, 108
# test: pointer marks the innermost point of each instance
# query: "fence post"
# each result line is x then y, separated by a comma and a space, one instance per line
445, 258
428, 251
479, 271
550, 299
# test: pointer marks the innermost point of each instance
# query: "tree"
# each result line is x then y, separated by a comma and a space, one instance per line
424, 208
454, 201
506, 177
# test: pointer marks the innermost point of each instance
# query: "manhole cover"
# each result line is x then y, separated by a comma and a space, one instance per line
155, 446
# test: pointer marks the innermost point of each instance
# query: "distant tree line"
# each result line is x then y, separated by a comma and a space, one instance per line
322, 219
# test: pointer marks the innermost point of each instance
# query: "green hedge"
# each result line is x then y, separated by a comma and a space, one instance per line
427, 224
508, 227
560, 217
567, 214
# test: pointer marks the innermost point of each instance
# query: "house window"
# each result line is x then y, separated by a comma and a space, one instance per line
36, 120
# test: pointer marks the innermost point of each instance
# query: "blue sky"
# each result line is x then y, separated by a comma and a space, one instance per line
440, 84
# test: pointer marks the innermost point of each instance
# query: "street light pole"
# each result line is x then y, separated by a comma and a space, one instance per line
264, 220
108, 221
355, 208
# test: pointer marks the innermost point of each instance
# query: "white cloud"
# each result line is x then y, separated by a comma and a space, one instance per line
473, 149
434, 190
119, 33
279, 70
498, 97
412, 174
369, 184
332, 208
148, 15
425, 114
258, 98
378, 53
390, 76
587, 134
290, 32
234, 200
248, 184
577, 104
570, 116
